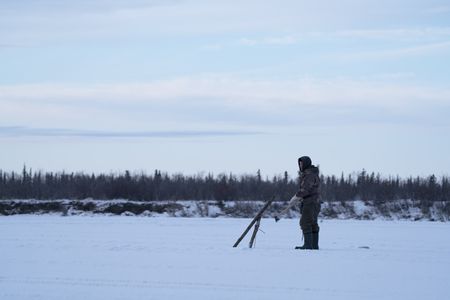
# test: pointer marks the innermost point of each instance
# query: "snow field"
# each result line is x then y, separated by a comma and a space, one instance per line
52, 257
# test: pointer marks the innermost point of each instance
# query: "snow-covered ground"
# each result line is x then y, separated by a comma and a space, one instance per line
53, 257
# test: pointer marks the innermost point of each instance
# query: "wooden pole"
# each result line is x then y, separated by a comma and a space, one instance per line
255, 231
258, 216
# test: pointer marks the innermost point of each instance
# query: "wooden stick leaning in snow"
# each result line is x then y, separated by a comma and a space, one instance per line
255, 231
255, 219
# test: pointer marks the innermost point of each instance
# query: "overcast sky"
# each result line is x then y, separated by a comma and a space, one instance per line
225, 86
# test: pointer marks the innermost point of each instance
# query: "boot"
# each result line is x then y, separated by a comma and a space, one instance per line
315, 240
308, 241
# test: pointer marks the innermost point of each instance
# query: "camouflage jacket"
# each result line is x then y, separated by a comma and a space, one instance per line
309, 185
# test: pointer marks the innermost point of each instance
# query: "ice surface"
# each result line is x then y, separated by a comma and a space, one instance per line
52, 257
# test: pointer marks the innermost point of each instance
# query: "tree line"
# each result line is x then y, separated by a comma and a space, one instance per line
163, 186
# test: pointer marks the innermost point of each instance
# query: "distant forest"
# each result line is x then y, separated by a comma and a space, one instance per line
163, 186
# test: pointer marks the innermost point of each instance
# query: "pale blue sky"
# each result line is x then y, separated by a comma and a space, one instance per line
225, 86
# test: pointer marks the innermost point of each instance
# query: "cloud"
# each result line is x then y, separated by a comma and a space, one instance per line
228, 91
443, 9
418, 34
397, 33
280, 40
20, 131
49, 22
13, 46
417, 50
55, 21
393, 76
81, 6
219, 103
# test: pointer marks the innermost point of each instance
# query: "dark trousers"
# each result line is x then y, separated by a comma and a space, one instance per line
310, 211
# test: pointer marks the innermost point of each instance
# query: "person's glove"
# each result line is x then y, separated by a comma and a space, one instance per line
277, 219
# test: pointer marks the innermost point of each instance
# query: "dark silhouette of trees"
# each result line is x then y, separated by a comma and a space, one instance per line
224, 187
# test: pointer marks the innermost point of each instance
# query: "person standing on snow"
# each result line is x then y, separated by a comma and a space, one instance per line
309, 199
